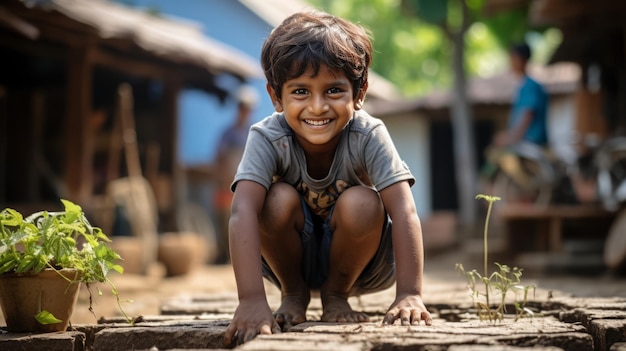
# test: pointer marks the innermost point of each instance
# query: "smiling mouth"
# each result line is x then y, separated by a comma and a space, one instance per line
317, 122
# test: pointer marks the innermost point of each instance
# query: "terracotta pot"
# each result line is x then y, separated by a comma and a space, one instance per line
22, 296
131, 250
180, 252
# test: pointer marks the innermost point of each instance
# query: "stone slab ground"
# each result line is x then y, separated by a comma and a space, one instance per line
192, 312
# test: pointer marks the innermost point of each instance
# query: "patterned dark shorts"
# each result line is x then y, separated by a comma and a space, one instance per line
379, 274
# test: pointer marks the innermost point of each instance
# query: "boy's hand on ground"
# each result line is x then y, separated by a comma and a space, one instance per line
250, 320
409, 309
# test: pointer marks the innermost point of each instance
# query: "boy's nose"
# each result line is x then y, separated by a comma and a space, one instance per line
318, 105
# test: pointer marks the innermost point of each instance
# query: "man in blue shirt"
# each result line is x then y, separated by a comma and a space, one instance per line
528, 118
527, 127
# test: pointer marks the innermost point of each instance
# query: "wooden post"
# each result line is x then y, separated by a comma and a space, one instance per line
78, 141
177, 188
3, 144
38, 107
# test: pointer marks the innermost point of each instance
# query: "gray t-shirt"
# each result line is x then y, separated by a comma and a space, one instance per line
365, 156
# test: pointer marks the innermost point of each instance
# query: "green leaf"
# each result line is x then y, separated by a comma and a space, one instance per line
45, 317
10, 217
488, 198
117, 268
70, 206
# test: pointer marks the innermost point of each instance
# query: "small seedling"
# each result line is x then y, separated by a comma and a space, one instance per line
504, 280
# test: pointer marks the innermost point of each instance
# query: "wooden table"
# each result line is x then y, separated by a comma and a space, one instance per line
553, 216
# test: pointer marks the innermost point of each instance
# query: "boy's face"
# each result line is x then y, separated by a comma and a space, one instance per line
318, 107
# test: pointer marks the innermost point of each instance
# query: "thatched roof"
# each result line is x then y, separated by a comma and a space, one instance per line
171, 41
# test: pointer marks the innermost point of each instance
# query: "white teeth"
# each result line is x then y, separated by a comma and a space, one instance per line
317, 123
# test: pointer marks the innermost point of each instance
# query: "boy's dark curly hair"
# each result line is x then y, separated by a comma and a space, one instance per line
310, 39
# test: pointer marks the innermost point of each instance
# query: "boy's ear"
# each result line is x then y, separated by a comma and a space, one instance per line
278, 106
360, 98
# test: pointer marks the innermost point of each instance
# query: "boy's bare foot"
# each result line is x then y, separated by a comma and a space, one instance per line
337, 309
292, 310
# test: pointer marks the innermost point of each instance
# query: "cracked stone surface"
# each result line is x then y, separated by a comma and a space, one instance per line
192, 313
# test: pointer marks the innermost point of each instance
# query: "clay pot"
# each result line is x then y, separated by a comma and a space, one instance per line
131, 250
22, 296
180, 252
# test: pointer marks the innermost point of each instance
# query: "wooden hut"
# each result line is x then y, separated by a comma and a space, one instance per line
62, 62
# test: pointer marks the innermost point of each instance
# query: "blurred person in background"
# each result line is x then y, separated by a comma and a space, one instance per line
526, 134
528, 118
229, 151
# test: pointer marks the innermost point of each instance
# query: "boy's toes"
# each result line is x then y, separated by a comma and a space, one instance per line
283, 321
354, 317
279, 318
298, 319
357, 317
286, 321
329, 317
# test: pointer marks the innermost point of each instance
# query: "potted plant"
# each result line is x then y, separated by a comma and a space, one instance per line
44, 258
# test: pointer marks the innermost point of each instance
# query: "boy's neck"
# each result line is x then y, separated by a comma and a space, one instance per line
320, 151
319, 158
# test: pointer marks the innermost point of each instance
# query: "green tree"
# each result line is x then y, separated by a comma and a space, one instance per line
408, 52
412, 49
453, 17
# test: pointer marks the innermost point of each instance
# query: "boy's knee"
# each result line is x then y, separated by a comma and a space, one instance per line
359, 207
360, 200
282, 195
282, 204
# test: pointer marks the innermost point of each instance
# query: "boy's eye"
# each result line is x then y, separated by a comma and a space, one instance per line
300, 91
334, 90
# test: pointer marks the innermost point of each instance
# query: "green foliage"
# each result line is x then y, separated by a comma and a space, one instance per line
412, 48
56, 240
408, 51
502, 281
431, 11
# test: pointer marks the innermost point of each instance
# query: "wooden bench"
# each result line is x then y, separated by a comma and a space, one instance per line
549, 234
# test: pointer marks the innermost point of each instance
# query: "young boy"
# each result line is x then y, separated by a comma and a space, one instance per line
318, 185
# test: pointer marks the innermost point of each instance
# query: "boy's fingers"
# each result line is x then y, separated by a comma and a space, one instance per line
265, 329
251, 334
276, 328
405, 317
428, 319
240, 336
389, 318
415, 317
228, 336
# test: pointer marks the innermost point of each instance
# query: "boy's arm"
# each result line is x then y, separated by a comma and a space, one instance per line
253, 315
409, 253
